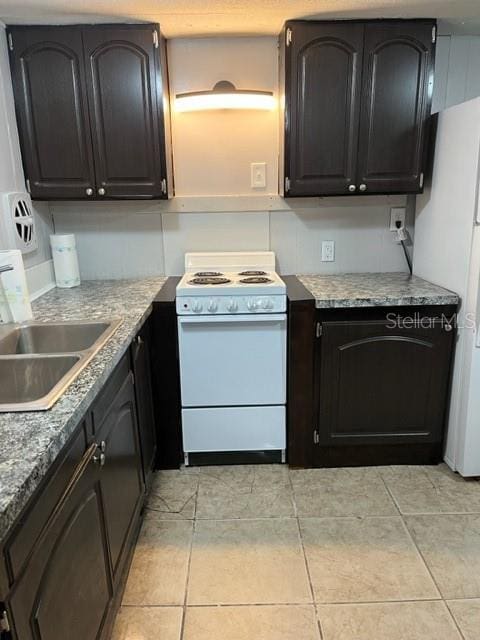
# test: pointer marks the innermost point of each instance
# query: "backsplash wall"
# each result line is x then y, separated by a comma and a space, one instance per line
136, 239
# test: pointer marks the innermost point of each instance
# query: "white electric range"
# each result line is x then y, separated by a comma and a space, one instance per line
232, 331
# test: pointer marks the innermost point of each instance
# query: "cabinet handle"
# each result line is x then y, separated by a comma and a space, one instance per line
363, 187
352, 188
139, 340
101, 191
89, 191
448, 327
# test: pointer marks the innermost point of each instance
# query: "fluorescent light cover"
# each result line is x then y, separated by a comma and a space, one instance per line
224, 95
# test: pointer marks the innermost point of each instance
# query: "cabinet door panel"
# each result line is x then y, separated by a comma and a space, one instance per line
121, 477
122, 68
324, 65
380, 384
66, 589
49, 85
396, 103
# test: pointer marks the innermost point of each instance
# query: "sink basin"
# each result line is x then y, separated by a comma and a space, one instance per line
38, 361
30, 379
52, 338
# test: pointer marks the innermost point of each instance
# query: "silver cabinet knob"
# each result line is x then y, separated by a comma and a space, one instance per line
89, 191
363, 187
101, 191
352, 188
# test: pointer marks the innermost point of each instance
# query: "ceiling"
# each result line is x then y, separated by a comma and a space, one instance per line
237, 17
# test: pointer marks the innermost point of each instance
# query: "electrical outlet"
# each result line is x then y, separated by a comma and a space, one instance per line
397, 214
258, 171
328, 251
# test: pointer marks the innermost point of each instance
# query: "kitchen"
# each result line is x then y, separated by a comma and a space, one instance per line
268, 458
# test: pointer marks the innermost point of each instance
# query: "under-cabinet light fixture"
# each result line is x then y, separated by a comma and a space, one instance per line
224, 95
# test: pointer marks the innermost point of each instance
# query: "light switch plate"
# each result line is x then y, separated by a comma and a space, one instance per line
328, 251
258, 175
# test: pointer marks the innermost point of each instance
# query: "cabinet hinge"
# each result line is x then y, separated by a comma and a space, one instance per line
288, 37
316, 437
4, 623
421, 179
287, 185
434, 34
155, 38
319, 330
27, 183
164, 186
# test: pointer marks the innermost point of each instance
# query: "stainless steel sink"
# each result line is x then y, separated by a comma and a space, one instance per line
52, 338
30, 379
38, 361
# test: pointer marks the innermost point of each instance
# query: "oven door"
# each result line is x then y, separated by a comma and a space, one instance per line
233, 360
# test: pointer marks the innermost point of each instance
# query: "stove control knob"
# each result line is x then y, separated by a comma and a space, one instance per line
212, 306
197, 306
252, 305
232, 306
267, 304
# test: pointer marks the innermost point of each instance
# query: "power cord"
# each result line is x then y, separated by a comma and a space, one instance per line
402, 236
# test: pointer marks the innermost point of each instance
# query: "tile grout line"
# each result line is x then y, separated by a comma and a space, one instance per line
307, 568
454, 620
442, 599
410, 536
187, 578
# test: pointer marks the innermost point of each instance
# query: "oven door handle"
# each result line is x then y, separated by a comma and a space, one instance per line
264, 317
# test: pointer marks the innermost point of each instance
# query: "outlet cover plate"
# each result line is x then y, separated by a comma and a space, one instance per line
328, 251
397, 214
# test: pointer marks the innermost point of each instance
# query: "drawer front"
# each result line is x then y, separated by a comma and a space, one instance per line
233, 429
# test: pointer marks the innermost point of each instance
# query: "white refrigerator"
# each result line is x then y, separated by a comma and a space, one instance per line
447, 252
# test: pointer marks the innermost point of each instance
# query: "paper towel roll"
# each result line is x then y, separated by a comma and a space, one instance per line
14, 298
65, 260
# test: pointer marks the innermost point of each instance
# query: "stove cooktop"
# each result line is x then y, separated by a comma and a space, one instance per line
248, 282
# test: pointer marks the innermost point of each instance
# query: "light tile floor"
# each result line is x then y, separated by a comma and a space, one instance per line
268, 553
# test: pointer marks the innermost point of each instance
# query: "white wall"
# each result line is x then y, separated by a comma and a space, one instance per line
12, 179
457, 71
212, 150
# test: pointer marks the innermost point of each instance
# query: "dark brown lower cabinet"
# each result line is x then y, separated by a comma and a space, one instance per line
65, 588
64, 564
381, 382
121, 479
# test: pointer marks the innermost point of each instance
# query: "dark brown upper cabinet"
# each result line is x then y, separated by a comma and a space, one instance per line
90, 103
357, 106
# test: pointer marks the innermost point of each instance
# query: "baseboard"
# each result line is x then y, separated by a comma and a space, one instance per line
40, 279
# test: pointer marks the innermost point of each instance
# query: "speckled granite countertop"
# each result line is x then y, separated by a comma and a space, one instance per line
349, 290
30, 442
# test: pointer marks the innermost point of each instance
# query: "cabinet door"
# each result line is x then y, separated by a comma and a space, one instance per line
121, 477
323, 76
379, 383
65, 589
122, 73
396, 104
50, 97
144, 398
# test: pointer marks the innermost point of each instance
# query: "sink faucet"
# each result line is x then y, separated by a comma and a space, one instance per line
6, 267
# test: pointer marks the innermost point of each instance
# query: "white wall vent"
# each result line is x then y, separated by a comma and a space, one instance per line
17, 224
